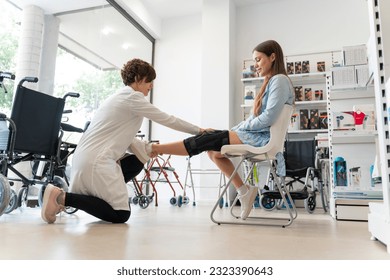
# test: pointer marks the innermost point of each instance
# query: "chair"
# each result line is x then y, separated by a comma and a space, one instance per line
254, 155
34, 135
37, 117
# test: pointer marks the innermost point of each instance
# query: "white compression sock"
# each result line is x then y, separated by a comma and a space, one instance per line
242, 190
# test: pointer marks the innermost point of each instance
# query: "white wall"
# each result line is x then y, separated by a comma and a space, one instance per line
300, 26
177, 87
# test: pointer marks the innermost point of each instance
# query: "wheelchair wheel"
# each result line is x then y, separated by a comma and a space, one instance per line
22, 197
5, 193
268, 203
310, 203
324, 187
13, 202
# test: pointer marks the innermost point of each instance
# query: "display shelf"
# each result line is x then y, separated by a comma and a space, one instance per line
314, 103
312, 78
352, 93
345, 193
308, 78
353, 137
307, 131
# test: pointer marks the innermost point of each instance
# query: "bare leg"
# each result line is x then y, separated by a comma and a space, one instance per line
225, 164
179, 149
174, 148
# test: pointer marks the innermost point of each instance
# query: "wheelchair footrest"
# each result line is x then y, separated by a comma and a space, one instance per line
301, 194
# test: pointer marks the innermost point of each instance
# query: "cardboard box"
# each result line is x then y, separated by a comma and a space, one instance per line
343, 77
362, 73
355, 55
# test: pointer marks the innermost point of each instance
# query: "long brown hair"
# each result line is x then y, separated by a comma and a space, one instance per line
268, 48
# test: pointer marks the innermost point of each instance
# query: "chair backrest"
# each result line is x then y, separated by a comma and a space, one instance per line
37, 117
278, 131
299, 154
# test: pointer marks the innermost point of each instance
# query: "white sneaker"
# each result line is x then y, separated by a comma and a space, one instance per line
51, 207
138, 148
247, 200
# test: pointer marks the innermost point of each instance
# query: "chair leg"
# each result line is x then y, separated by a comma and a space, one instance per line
259, 220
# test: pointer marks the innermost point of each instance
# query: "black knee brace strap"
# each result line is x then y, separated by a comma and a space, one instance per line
206, 141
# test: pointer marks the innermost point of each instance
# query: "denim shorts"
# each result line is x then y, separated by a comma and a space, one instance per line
255, 138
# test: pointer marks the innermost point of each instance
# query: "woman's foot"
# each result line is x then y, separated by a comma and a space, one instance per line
53, 203
246, 200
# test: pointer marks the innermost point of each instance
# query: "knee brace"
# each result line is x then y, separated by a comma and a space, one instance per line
206, 141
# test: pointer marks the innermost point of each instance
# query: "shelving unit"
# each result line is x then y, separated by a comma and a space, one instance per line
357, 147
379, 58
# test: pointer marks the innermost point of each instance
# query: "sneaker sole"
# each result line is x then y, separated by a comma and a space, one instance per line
46, 197
253, 192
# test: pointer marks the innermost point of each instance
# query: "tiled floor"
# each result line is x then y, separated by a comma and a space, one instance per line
167, 233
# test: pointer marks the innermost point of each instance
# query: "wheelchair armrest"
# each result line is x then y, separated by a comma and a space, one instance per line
71, 128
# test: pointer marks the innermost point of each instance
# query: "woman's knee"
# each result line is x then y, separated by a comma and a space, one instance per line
211, 155
214, 155
121, 217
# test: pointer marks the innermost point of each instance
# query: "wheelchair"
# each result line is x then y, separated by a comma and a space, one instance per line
32, 134
306, 165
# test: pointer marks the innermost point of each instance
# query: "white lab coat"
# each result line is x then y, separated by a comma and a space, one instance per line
95, 168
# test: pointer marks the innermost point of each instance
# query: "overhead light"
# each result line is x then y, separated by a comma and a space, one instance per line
106, 30
126, 46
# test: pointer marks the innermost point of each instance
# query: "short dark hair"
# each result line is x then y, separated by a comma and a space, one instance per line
136, 70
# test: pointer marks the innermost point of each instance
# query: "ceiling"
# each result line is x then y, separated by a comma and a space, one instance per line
93, 31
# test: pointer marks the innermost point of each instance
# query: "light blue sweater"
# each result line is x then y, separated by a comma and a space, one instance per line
255, 129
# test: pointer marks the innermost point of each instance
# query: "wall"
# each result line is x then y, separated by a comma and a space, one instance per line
177, 87
300, 26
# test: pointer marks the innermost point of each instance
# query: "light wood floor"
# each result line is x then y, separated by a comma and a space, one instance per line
167, 233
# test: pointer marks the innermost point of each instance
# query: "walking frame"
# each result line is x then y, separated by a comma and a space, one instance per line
255, 155
160, 166
189, 182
